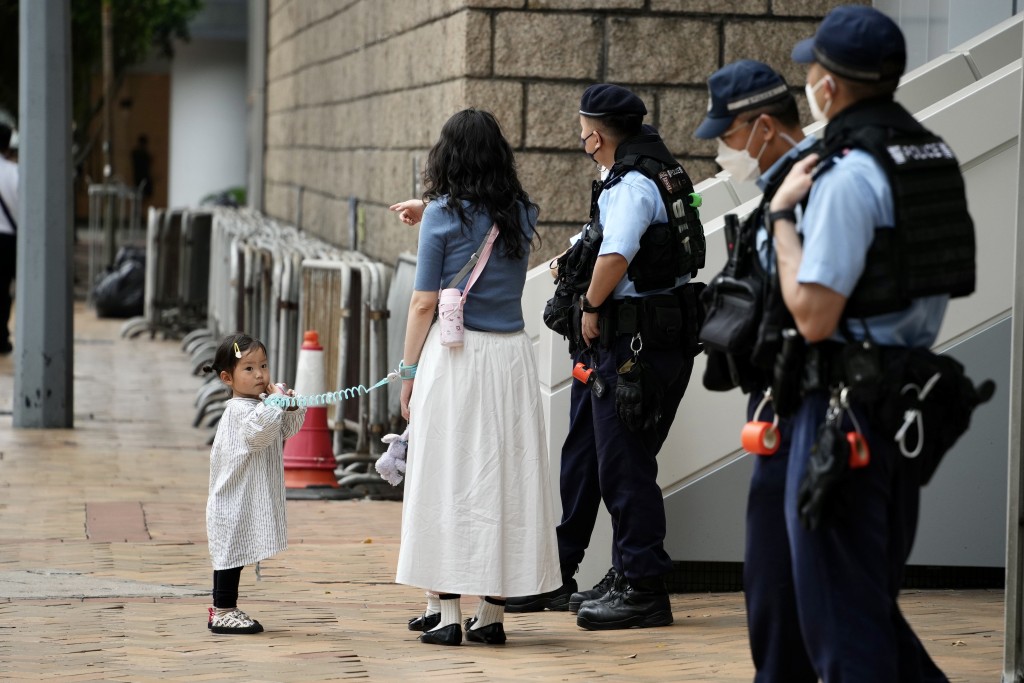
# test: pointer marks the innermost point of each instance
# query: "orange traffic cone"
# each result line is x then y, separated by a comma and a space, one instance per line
309, 456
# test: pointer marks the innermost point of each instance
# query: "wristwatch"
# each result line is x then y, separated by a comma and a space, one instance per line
784, 214
585, 305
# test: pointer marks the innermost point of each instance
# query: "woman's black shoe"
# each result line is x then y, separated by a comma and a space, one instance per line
492, 634
446, 635
425, 622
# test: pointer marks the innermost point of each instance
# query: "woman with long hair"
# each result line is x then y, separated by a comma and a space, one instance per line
478, 516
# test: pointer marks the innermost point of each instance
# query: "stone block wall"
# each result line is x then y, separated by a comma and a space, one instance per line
357, 91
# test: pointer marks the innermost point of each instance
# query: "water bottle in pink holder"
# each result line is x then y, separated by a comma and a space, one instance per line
449, 314
450, 300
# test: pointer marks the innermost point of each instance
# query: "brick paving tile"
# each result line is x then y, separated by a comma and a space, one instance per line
329, 604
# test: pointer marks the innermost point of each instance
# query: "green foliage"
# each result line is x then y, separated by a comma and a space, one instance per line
140, 28
233, 196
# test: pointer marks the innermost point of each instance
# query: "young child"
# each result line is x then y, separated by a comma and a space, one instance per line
245, 513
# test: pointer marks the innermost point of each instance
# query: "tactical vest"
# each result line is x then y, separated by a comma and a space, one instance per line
667, 250
931, 249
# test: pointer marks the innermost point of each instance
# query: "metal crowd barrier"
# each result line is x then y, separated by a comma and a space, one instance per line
254, 283
114, 220
349, 298
177, 274
399, 295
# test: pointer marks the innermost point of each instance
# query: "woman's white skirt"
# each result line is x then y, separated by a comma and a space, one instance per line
479, 514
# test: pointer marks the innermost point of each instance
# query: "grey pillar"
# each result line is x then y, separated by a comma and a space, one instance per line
257, 100
43, 382
1013, 644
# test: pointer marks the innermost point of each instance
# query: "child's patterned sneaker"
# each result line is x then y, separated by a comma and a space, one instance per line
234, 622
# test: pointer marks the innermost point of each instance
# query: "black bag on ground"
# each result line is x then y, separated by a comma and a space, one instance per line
121, 292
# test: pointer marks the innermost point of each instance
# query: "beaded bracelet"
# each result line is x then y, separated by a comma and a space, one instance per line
406, 371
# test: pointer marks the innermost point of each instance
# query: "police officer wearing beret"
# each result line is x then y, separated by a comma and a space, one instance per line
851, 525
634, 334
755, 119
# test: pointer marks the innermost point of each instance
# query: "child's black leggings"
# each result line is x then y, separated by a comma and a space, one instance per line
225, 587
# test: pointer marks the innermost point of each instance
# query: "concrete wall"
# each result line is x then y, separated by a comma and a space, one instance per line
357, 91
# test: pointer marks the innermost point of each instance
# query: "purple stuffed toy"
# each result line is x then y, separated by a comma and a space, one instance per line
391, 465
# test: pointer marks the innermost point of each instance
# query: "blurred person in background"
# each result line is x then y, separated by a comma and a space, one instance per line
8, 232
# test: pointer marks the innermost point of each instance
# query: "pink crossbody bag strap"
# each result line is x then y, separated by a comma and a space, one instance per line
485, 254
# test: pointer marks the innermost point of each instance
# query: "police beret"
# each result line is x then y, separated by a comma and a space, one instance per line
856, 42
605, 99
738, 87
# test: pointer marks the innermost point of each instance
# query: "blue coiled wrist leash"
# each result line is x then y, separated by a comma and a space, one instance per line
316, 400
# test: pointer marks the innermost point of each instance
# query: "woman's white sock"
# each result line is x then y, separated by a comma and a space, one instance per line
489, 612
433, 604
451, 611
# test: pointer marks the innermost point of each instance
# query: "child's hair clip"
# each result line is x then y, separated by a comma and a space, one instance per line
238, 351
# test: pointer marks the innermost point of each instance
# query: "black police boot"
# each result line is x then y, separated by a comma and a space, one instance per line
618, 585
599, 591
642, 603
556, 600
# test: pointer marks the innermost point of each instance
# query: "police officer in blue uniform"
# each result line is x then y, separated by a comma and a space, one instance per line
754, 117
633, 338
851, 513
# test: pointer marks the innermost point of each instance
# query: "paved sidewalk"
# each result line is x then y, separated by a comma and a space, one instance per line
104, 571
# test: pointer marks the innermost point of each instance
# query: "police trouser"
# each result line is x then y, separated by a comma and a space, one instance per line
776, 645
847, 573
603, 460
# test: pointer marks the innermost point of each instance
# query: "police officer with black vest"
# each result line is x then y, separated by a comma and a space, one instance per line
754, 117
633, 322
884, 240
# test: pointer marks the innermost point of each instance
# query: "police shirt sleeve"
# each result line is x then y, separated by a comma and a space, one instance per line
631, 207
430, 252
845, 206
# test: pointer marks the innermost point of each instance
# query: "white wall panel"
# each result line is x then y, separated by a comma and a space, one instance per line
208, 120
932, 27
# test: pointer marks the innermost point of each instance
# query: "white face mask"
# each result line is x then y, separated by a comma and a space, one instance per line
817, 112
738, 162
